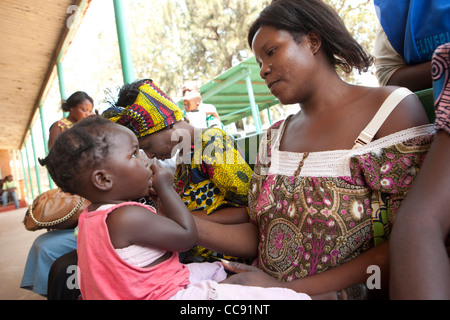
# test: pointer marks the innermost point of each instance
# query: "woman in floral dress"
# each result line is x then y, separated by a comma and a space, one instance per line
328, 180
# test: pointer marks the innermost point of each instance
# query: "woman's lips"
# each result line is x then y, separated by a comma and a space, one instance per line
272, 85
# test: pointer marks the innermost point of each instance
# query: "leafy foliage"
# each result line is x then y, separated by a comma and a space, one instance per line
177, 40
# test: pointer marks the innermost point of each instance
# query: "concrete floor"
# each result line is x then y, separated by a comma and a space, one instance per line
15, 242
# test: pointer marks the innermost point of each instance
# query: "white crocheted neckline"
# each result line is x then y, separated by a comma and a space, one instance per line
334, 163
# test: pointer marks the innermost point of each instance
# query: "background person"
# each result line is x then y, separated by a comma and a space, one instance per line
9, 189
407, 34
53, 244
79, 105
195, 116
195, 108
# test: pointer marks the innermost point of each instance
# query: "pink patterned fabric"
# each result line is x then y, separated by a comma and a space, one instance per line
441, 86
314, 211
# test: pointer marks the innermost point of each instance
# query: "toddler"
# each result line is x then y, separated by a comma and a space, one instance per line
127, 250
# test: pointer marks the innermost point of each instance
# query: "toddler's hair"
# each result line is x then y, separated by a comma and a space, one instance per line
82, 147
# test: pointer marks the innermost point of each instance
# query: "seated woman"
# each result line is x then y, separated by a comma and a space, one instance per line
51, 245
328, 180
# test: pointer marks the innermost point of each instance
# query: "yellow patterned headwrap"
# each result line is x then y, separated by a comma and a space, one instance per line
152, 111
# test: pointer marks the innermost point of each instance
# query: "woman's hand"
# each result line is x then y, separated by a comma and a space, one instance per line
249, 276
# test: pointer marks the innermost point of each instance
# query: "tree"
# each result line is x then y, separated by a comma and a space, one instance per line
360, 19
215, 33
176, 41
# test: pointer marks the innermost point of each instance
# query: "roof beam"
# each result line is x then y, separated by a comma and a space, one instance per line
66, 39
231, 80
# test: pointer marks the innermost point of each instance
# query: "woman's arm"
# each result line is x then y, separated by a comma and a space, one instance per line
55, 130
409, 113
414, 77
420, 266
334, 279
227, 215
238, 240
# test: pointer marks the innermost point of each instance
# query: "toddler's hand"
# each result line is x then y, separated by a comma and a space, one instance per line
162, 178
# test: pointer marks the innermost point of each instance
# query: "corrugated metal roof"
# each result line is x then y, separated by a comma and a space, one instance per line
229, 92
34, 36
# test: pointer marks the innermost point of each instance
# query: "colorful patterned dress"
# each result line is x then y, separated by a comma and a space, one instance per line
315, 211
441, 87
64, 124
217, 177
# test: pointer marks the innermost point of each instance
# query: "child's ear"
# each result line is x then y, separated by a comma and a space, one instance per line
102, 180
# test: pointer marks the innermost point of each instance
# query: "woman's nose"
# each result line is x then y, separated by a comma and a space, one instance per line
145, 158
265, 68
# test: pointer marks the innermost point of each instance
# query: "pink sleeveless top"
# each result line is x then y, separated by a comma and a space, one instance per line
103, 275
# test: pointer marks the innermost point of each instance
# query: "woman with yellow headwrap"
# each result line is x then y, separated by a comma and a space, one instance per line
211, 177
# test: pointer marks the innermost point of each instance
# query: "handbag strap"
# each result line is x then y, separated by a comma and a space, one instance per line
57, 221
385, 110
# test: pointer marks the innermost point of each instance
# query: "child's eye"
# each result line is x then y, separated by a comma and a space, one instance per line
271, 52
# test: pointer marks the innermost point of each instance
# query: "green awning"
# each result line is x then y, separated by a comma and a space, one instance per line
233, 98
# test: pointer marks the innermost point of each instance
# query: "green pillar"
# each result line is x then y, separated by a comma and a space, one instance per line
255, 109
269, 114
29, 171
124, 44
44, 137
25, 178
44, 133
36, 164
62, 84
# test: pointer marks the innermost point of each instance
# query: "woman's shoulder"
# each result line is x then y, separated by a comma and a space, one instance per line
211, 133
63, 124
276, 128
408, 112
376, 96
